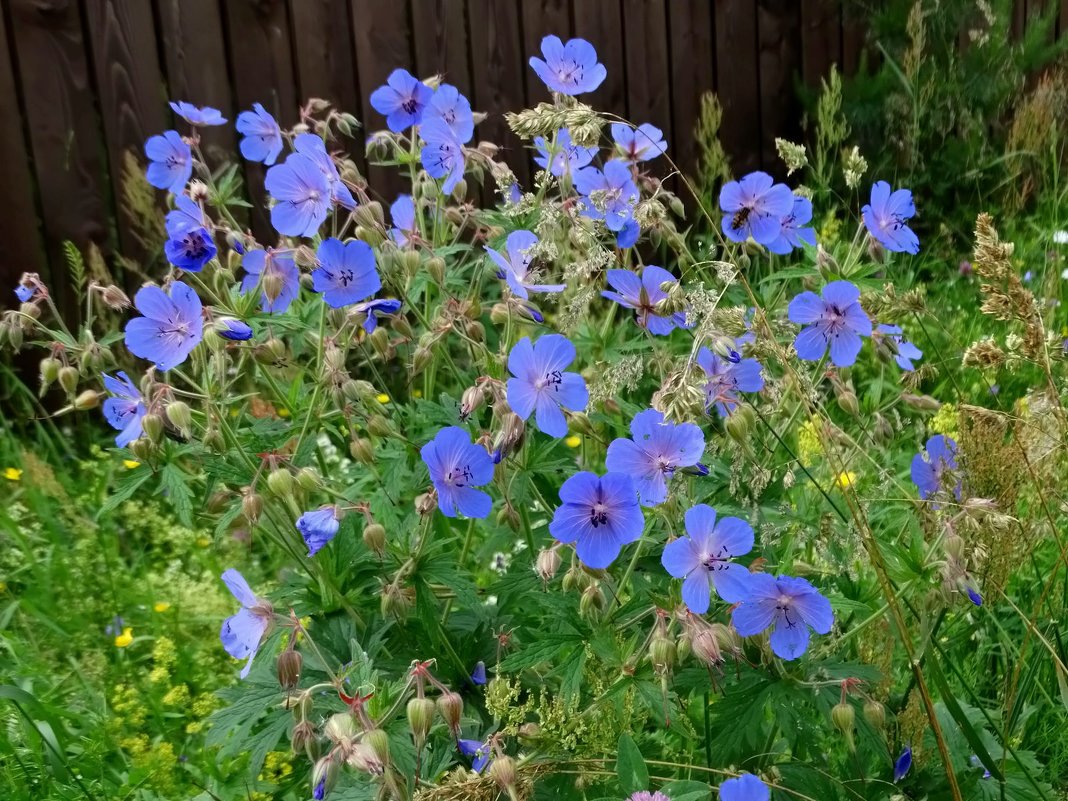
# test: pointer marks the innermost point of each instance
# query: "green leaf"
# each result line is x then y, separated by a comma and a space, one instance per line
969, 732
128, 484
175, 484
630, 766
686, 790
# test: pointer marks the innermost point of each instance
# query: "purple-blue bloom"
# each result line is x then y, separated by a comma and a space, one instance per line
600, 514
726, 379
124, 409
793, 233
480, 751
792, 605
272, 270
24, 293
642, 295
242, 633
836, 320
302, 195
746, 787
187, 215
443, 154
563, 157
195, 115
402, 100
902, 764
703, 558
170, 328
515, 269
569, 69
643, 143
658, 448
171, 162
754, 207
190, 250
904, 352
262, 136
234, 330
452, 108
312, 146
373, 308
478, 675
539, 384
885, 218
456, 467
628, 234
346, 273
941, 458
318, 528
403, 213
614, 193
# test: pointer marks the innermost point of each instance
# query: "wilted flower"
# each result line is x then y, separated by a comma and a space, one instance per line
570, 69
194, 115
275, 273
754, 207
124, 409
318, 528
561, 157
242, 633
600, 514
902, 764
402, 100
170, 328
727, 378
703, 558
346, 273
480, 751
885, 218
372, 308
516, 267
171, 162
539, 384
746, 787
478, 675
643, 143
792, 605
904, 352
927, 473
658, 448
836, 320
262, 136
234, 330
643, 294
456, 467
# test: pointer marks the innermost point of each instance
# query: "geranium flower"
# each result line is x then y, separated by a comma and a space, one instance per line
570, 69
170, 328
643, 143
791, 605
754, 207
197, 115
403, 213
443, 154
453, 109
746, 787
539, 384
904, 352
479, 750
658, 448
703, 558
456, 467
190, 250
402, 100
318, 528
275, 273
234, 330
312, 146
372, 308
836, 320
564, 157
516, 267
600, 514
346, 273
243, 632
885, 218
793, 234
642, 295
941, 459
609, 195
262, 136
171, 162
302, 195
124, 409
726, 379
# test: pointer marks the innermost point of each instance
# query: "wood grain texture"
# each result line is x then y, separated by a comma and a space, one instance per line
738, 82
441, 42
779, 28
821, 39
541, 19
646, 48
601, 23
693, 72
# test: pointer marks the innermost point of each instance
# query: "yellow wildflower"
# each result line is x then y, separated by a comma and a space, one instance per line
203, 542
130, 464
382, 397
125, 638
573, 441
846, 479
418, 393
12, 473
161, 606
283, 412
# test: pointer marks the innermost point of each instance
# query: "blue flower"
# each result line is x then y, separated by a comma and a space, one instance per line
443, 154
274, 272
456, 467
703, 558
792, 605
205, 115
318, 528
563, 157
904, 352
793, 234
187, 215
973, 595
539, 384
480, 751
402, 211
642, 295
643, 143
928, 474
452, 108
301, 193
171, 162
885, 218
515, 269
346, 273
312, 146
262, 136
902, 764
242, 633
754, 207
190, 250
515, 194
628, 234
24, 293
836, 320
726, 379
746, 787
600, 514
124, 409
373, 308
658, 448
569, 69
402, 100
609, 195
170, 328
234, 330
478, 675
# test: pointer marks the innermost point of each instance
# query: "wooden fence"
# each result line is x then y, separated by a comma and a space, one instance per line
84, 81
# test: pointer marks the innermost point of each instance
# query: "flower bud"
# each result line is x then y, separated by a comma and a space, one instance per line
876, 251
683, 647
502, 771
308, 478
68, 379
378, 741
142, 449
400, 324
380, 342
451, 709
592, 601
289, 666
421, 358
499, 314
396, 602
924, 403
362, 450
875, 714
739, 423
420, 719
825, 262
89, 399
882, 430
31, 310
706, 648
115, 298
280, 482
302, 736
379, 426
548, 562
340, 727
374, 537
49, 370
471, 401
152, 425
362, 757
252, 507
180, 416
270, 351
324, 776
844, 718
575, 579
508, 516
476, 331
426, 503
662, 652
847, 402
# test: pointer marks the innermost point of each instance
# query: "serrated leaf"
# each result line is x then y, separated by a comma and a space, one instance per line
174, 483
686, 790
548, 649
630, 766
126, 487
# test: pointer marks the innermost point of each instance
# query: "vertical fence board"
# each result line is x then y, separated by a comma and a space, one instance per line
693, 72
738, 82
441, 42
23, 249
778, 24
821, 39
132, 102
546, 18
601, 23
58, 95
648, 73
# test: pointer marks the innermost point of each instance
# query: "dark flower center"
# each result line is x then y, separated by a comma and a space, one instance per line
194, 246
344, 277
459, 476
409, 104
598, 515
553, 378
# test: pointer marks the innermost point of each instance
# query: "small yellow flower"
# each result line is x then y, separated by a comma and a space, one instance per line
382, 397
418, 393
846, 479
125, 638
161, 606
130, 464
283, 412
12, 473
573, 441
234, 412
203, 542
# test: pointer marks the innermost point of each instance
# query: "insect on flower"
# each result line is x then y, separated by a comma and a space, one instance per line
754, 207
703, 558
658, 448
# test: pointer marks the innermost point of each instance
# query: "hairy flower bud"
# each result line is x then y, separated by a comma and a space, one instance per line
426, 503
706, 648
684, 647
68, 379
662, 652
180, 416
252, 507
508, 516
592, 601
89, 399
922, 402
289, 666
379, 426
270, 351
49, 370
378, 741
340, 727
451, 709
876, 251
844, 718
115, 298
396, 602
548, 562
302, 736
576, 579
142, 449
374, 537
362, 450
324, 776
472, 400
875, 714
280, 482
847, 402
740, 423
152, 426
476, 332
420, 719
308, 478
421, 358
380, 342
502, 771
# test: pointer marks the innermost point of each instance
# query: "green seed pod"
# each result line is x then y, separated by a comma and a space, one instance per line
289, 666
142, 449
502, 771
476, 331
421, 358
374, 537
875, 714
508, 516
180, 416
280, 482
401, 325
844, 718
301, 737
683, 647
740, 423
847, 402
412, 261
68, 379
49, 370
451, 709
378, 741
380, 341
152, 425
362, 450
308, 478
379, 426
662, 652
592, 601
547, 563
436, 267
420, 719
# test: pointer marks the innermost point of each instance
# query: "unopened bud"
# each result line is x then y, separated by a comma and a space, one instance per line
592, 601
362, 450
400, 324
420, 719
142, 449
739, 423
684, 647
876, 251
426, 503
152, 425
324, 776
471, 400
706, 648
31, 310
662, 652
508, 516
396, 602
379, 426
502, 771
882, 430
451, 709
576, 579
340, 727
825, 262
68, 379
875, 714
280, 482
421, 358
922, 402
180, 416
302, 736
374, 537
49, 370
270, 351
847, 402
378, 741
476, 331
380, 341
289, 666
308, 478
115, 298
252, 507
844, 718
548, 562
499, 314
